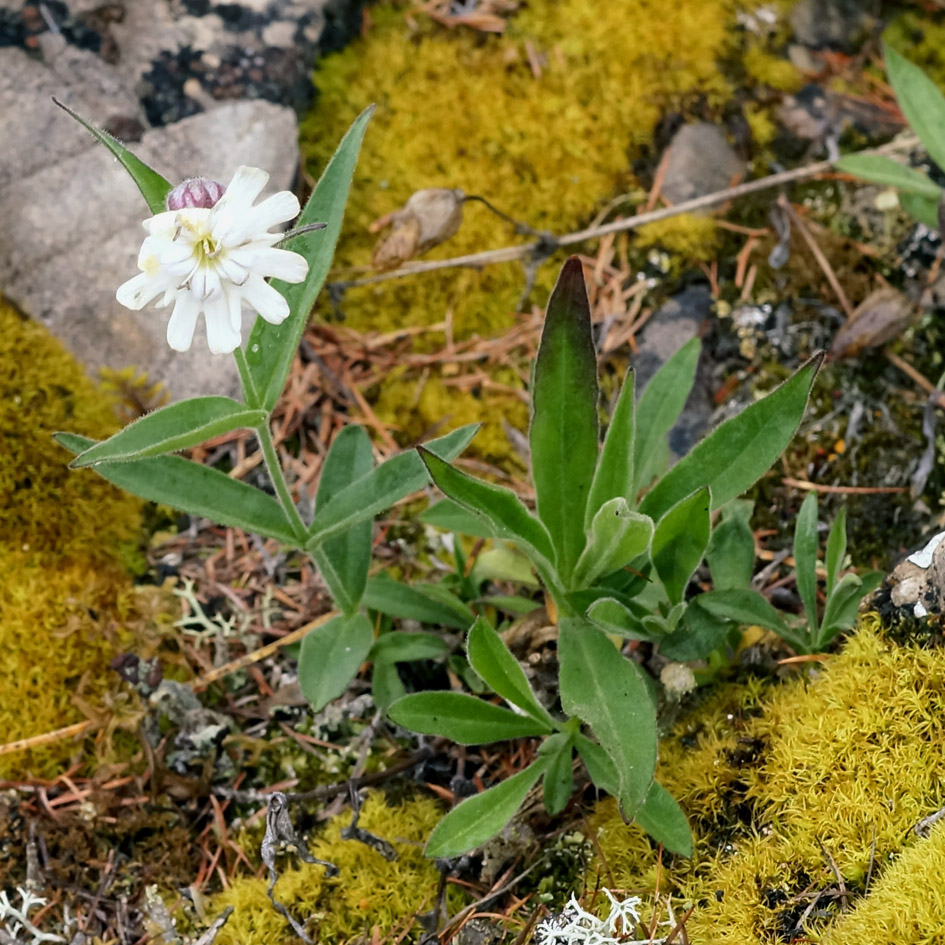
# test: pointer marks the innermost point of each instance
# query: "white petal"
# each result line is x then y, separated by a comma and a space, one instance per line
221, 335
247, 184
162, 224
255, 221
183, 321
269, 261
231, 270
234, 299
265, 300
141, 289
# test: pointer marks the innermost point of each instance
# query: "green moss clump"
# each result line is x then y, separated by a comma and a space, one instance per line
691, 236
369, 893
66, 538
828, 763
45, 506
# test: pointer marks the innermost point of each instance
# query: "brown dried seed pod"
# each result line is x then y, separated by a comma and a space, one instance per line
429, 217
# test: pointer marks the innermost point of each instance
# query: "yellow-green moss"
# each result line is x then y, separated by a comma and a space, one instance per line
45, 506
692, 237
921, 40
369, 891
461, 109
853, 753
435, 408
65, 540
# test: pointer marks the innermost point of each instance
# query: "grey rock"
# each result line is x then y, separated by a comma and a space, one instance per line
675, 322
839, 23
700, 162
74, 228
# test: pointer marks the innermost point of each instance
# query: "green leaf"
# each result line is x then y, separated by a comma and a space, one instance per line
382, 487
559, 777
608, 693
744, 606
613, 477
344, 561
731, 554
270, 348
617, 536
805, 558
662, 818
659, 408
462, 718
836, 548
700, 634
153, 187
195, 489
504, 562
679, 542
417, 602
563, 431
479, 818
398, 646
500, 508
921, 102
500, 670
599, 766
510, 604
883, 170
843, 603
740, 450
619, 617
452, 517
172, 428
331, 656
386, 685
922, 208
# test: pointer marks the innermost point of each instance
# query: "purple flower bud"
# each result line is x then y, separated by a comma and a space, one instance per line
195, 192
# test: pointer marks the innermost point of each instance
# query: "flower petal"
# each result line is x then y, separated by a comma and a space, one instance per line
221, 335
234, 299
141, 289
265, 300
268, 261
183, 321
255, 221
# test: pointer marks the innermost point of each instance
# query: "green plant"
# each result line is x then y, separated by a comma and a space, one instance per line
611, 565
843, 593
924, 107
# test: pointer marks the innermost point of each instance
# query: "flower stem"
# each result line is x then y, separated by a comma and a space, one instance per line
278, 480
250, 394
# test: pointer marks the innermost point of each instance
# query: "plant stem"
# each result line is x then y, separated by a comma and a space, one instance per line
278, 480
250, 394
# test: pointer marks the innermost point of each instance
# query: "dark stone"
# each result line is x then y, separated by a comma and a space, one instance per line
835, 23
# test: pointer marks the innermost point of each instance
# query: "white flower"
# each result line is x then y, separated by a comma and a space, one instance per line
214, 258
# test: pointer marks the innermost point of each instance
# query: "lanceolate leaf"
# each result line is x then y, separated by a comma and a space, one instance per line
660, 404
608, 693
462, 718
501, 671
172, 428
743, 606
739, 451
924, 209
662, 818
481, 817
805, 558
398, 646
616, 537
921, 102
382, 487
501, 508
452, 517
153, 187
599, 766
884, 170
563, 432
614, 475
343, 561
270, 348
559, 778
330, 657
195, 489
680, 541
836, 548
413, 602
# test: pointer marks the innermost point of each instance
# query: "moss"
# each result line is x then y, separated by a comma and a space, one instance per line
457, 108
46, 507
691, 236
824, 763
369, 893
433, 407
922, 40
